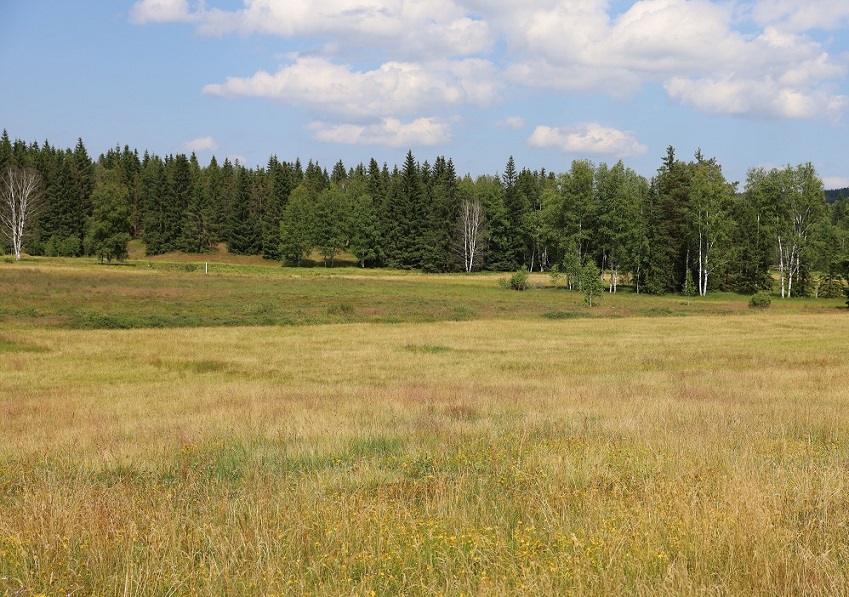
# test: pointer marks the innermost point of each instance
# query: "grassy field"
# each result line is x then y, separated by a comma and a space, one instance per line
440, 436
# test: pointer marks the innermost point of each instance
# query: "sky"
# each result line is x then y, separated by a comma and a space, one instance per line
753, 83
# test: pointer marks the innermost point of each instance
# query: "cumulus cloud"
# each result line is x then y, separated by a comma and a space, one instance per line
588, 138
758, 99
201, 144
747, 58
160, 11
390, 131
394, 88
690, 47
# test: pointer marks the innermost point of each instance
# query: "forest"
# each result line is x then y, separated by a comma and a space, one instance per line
687, 226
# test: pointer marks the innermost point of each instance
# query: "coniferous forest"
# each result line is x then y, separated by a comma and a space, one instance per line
686, 225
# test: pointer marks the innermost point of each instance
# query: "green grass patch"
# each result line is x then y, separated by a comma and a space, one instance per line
428, 348
7, 345
566, 315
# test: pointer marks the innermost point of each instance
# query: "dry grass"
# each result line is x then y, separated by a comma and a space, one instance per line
698, 455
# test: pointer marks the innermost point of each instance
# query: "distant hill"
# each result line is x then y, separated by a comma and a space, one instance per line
832, 196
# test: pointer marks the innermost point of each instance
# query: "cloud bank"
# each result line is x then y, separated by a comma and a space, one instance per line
422, 61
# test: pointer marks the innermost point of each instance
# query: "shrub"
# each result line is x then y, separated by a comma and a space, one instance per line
519, 280
830, 289
760, 300
69, 247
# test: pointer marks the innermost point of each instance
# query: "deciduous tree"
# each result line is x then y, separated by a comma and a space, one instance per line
108, 230
21, 196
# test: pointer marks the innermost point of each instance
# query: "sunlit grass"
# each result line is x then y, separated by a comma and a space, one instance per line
653, 455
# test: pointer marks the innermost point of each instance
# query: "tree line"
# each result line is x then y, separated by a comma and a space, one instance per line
685, 225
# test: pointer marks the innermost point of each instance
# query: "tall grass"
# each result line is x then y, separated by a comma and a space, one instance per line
683, 455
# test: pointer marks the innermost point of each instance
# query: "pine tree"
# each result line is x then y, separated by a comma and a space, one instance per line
153, 194
440, 217
666, 214
405, 216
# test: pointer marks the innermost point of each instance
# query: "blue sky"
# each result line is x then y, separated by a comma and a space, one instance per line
752, 83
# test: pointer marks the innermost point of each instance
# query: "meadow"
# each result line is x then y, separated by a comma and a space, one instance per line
264, 431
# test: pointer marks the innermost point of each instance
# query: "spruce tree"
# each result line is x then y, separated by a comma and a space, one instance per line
245, 234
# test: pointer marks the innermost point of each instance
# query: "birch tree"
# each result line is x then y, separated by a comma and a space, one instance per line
709, 219
471, 231
802, 204
620, 191
21, 196
796, 203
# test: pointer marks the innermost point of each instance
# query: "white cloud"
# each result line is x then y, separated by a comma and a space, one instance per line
160, 11
390, 132
586, 138
200, 144
795, 15
691, 47
410, 27
512, 122
749, 58
758, 99
394, 88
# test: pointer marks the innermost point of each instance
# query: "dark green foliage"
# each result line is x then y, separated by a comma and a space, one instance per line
442, 208
666, 209
407, 217
245, 234
153, 190
281, 181
689, 289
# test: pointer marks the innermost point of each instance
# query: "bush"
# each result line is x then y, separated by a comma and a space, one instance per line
760, 300
519, 280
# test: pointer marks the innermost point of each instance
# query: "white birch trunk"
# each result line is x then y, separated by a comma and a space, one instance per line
19, 200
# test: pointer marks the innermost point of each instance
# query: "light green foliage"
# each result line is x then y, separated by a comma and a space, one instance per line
364, 230
556, 275
709, 220
591, 284
109, 226
519, 279
297, 227
795, 205
330, 222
